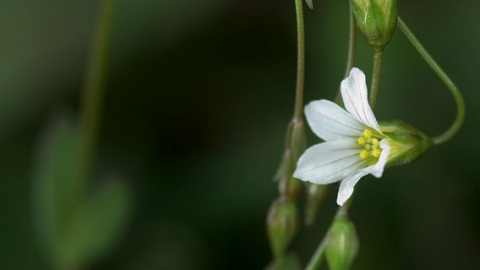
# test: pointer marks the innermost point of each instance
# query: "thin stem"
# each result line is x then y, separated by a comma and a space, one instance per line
455, 127
352, 42
300, 61
92, 99
317, 257
377, 68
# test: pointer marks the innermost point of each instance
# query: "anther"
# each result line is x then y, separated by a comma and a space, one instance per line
367, 133
361, 140
364, 154
376, 152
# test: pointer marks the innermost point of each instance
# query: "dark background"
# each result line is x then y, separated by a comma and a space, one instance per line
198, 97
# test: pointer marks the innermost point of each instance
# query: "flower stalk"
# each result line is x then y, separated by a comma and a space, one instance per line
300, 62
377, 68
352, 44
457, 124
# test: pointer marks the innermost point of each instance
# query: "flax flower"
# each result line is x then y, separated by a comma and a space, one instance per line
354, 145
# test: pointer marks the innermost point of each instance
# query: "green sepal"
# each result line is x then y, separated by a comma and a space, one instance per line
406, 142
376, 20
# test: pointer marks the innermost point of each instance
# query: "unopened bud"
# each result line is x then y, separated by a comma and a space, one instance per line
316, 197
309, 3
406, 142
376, 20
285, 169
298, 139
282, 225
294, 189
342, 244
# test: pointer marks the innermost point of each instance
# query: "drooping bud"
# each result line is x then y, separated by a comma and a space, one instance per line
376, 20
342, 244
316, 197
309, 3
282, 225
406, 142
298, 139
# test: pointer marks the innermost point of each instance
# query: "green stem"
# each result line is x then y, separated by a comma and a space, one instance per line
317, 257
377, 68
455, 127
300, 62
352, 42
92, 99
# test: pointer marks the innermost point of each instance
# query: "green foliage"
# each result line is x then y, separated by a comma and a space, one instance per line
96, 225
73, 230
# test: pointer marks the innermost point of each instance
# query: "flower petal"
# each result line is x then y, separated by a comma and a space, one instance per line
354, 94
329, 162
330, 122
377, 169
347, 185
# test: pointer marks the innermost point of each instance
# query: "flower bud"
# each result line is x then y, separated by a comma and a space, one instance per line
406, 142
285, 169
298, 139
309, 3
376, 20
316, 197
342, 244
294, 189
282, 225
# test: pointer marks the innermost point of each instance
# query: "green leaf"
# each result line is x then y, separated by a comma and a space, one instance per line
97, 224
55, 182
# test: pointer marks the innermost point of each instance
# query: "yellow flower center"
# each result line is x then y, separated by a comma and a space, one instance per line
370, 144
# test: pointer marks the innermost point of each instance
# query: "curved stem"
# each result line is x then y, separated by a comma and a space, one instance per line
455, 127
300, 61
352, 42
377, 68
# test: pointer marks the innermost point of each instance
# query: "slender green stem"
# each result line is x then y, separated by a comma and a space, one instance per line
300, 61
455, 127
317, 257
352, 42
377, 68
92, 99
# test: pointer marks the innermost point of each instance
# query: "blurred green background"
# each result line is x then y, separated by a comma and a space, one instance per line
198, 97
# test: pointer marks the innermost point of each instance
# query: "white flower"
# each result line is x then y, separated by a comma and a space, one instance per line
354, 145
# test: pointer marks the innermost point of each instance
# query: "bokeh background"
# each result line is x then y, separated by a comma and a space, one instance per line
198, 97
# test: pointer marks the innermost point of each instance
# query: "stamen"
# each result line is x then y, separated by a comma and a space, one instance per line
361, 140
364, 154
371, 146
376, 153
